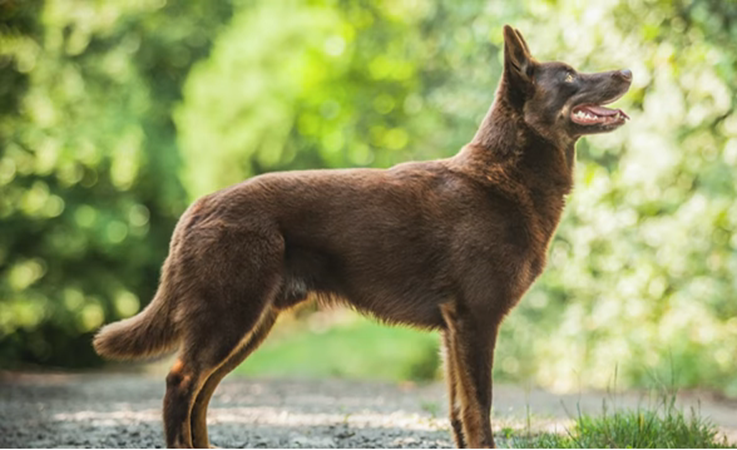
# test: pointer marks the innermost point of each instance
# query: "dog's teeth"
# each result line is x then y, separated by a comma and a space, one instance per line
582, 115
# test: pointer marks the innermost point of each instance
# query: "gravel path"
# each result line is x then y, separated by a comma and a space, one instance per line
123, 410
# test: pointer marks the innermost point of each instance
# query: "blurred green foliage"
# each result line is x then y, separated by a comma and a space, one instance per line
89, 190
114, 115
344, 344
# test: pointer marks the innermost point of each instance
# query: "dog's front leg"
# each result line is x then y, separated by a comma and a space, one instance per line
472, 338
451, 379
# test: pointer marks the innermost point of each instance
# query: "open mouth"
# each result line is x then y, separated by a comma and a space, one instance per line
597, 115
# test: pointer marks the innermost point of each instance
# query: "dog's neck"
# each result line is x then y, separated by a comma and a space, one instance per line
505, 140
508, 154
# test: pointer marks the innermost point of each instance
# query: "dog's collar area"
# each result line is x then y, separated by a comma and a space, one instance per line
597, 115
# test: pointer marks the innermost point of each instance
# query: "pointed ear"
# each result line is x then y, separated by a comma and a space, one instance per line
522, 39
518, 63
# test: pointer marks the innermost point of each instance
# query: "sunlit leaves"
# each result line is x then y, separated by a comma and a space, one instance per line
86, 160
641, 275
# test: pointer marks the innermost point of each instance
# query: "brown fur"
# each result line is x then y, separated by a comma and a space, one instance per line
450, 245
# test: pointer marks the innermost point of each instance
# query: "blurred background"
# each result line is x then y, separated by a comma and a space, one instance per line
115, 115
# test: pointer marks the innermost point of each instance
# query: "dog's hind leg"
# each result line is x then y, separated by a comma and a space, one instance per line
185, 379
451, 378
203, 352
199, 411
229, 280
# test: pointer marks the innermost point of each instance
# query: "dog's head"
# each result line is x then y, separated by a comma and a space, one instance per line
554, 99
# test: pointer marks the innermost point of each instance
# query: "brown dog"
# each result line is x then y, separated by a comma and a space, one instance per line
450, 245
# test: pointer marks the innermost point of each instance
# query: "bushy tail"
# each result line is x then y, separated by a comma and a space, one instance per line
150, 333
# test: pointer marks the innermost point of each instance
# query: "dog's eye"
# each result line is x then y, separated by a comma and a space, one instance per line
569, 78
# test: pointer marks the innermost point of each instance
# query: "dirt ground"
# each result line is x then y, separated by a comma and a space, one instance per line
124, 410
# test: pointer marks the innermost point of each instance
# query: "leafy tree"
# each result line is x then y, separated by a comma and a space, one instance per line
113, 116
88, 181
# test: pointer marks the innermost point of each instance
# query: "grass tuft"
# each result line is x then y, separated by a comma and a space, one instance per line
665, 426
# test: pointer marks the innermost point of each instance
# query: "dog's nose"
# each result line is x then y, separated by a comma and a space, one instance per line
626, 74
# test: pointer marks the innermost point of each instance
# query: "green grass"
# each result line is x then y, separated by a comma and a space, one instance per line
360, 349
663, 427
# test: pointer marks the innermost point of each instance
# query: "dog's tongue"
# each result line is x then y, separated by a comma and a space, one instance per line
602, 111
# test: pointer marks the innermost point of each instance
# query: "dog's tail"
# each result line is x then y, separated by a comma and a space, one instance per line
150, 333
